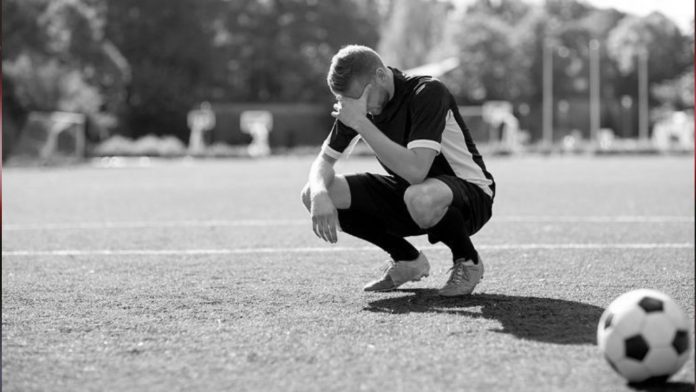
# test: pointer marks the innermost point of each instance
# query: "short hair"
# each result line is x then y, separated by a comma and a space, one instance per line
352, 62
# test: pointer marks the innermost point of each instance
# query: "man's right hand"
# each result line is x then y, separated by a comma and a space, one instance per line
324, 217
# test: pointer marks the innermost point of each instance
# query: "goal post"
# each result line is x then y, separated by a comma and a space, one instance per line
258, 124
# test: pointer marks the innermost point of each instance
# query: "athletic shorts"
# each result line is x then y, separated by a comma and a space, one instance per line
382, 197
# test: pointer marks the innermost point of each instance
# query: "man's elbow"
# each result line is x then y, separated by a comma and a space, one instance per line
416, 176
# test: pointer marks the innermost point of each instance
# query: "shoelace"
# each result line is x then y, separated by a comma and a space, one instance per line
389, 264
459, 273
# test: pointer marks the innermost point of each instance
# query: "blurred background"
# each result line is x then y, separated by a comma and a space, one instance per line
91, 78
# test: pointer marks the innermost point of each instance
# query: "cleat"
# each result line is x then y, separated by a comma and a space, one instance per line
400, 272
463, 279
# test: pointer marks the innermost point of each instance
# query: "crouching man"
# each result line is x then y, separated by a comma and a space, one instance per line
437, 183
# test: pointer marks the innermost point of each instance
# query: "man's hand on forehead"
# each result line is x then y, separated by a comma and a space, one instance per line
351, 111
362, 93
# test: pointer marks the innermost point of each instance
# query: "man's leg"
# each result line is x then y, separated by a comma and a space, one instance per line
434, 208
363, 224
375, 212
450, 210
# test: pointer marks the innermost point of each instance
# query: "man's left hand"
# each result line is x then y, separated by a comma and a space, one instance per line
352, 112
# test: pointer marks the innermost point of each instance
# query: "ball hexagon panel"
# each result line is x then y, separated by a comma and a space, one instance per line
658, 330
624, 301
601, 339
613, 346
661, 361
631, 370
603, 328
674, 313
627, 321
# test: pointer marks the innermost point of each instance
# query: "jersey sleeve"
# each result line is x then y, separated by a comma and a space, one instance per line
340, 139
429, 109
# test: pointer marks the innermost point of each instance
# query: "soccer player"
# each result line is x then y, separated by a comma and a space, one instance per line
437, 184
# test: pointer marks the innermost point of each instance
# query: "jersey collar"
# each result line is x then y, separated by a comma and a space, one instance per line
399, 87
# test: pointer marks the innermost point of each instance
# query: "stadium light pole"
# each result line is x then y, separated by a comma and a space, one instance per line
643, 106
594, 90
547, 128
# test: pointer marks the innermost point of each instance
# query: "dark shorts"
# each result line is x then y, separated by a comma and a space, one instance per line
382, 197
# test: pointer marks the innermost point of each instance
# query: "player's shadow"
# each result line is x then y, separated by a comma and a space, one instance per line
541, 319
675, 386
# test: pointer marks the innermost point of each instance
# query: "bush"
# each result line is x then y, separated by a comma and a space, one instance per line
149, 145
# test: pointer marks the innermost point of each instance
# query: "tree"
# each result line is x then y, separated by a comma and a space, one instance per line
566, 10
599, 24
670, 53
413, 32
56, 58
247, 51
280, 50
676, 93
169, 47
64, 41
507, 11
490, 62
65, 37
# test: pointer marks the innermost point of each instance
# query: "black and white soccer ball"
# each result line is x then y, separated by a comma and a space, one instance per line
644, 336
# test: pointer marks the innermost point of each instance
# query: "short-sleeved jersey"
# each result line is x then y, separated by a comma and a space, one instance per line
422, 113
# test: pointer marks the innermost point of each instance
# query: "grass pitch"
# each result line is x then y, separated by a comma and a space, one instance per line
206, 276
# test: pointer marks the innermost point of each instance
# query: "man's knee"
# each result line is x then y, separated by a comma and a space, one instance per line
306, 198
424, 205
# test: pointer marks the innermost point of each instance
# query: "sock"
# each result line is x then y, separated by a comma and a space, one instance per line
366, 228
451, 230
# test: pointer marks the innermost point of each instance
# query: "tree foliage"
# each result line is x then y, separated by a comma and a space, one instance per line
501, 46
412, 31
188, 51
280, 50
169, 49
489, 61
56, 57
677, 93
150, 61
656, 35
62, 43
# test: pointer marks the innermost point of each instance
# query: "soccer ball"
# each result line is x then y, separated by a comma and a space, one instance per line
644, 336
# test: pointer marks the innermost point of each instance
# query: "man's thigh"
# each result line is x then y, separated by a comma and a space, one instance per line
381, 197
476, 206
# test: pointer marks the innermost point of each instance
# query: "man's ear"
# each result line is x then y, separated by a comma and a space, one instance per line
381, 74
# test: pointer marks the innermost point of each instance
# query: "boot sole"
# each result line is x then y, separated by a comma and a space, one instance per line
460, 294
425, 275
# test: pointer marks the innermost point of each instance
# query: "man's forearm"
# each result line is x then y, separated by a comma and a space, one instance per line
321, 176
399, 159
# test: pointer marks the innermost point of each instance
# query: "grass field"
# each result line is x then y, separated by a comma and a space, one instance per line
205, 275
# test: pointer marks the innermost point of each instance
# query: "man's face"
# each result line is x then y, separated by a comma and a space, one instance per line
377, 97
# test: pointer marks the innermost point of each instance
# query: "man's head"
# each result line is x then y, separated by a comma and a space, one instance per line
353, 68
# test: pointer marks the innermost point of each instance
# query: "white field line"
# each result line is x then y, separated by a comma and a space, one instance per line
306, 222
325, 249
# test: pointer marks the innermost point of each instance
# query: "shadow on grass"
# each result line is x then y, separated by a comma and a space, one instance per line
541, 319
676, 386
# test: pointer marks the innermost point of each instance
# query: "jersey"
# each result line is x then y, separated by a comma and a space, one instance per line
422, 113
